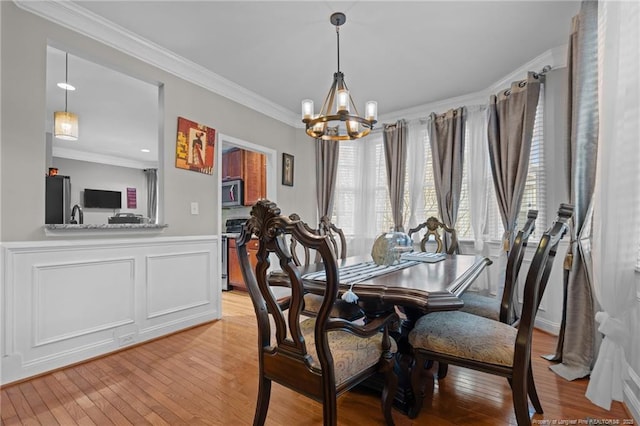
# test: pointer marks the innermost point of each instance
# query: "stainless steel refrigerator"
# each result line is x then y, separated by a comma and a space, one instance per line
58, 199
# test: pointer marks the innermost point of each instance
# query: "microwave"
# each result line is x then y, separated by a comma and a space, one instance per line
232, 193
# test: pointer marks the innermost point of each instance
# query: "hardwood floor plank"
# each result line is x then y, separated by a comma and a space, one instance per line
7, 411
42, 413
66, 399
21, 406
52, 402
207, 375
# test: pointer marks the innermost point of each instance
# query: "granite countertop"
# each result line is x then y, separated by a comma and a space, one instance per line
73, 226
102, 229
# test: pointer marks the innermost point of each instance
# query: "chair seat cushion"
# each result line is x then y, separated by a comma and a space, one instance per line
466, 336
341, 309
351, 354
484, 306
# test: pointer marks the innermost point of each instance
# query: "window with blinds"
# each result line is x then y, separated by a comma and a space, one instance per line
362, 198
361, 187
535, 192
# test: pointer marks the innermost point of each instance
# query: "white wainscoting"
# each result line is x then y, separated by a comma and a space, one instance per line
67, 301
632, 394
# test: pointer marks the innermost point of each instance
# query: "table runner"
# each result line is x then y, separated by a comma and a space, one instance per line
359, 272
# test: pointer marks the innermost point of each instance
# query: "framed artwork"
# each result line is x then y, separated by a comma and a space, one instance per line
287, 169
194, 146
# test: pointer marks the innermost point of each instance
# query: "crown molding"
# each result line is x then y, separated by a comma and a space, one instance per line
555, 58
78, 19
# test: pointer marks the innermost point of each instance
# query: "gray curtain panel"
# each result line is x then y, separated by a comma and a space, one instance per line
578, 339
395, 154
326, 171
446, 135
152, 194
511, 117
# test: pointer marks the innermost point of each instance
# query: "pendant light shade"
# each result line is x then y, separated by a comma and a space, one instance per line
338, 119
65, 124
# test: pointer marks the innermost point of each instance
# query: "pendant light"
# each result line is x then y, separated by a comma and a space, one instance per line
65, 124
338, 119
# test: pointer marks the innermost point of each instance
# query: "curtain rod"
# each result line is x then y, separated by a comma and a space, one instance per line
544, 71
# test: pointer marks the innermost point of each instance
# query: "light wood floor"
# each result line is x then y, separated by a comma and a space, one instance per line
207, 375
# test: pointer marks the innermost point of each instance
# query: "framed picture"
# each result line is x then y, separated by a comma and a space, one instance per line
194, 146
287, 169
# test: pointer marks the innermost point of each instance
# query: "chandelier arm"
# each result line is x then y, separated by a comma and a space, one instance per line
329, 99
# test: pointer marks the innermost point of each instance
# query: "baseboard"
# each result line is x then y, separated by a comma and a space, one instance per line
632, 395
547, 326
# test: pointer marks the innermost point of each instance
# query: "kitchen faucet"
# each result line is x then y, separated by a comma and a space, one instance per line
80, 215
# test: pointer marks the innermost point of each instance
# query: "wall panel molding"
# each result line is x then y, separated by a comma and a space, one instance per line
66, 301
56, 296
632, 394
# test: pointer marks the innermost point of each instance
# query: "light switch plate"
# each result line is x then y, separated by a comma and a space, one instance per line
194, 207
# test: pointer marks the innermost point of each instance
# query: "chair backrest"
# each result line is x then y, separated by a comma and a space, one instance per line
297, 248
286, 359
303, 256
433, 224
514, 262
536, 283
336, 236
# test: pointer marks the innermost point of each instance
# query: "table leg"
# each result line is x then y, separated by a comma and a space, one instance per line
404, 399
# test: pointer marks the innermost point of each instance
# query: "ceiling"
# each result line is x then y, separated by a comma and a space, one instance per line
401, 54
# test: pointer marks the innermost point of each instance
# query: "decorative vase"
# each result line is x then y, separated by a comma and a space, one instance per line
389, 246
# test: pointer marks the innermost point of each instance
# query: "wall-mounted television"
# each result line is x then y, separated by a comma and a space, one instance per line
98, 198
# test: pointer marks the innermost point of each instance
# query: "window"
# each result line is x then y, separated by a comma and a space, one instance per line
535, 193
361, 201
362, 207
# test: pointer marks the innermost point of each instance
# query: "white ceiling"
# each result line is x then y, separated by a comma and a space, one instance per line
401, 54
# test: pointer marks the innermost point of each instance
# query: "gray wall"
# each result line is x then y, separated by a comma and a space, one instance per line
85, 174
24, 39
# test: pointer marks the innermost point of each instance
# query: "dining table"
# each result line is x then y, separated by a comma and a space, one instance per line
412, 287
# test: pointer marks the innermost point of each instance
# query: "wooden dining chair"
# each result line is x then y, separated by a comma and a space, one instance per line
502, 309
303, 256
341, 308
432, 234
320, 357
478, 343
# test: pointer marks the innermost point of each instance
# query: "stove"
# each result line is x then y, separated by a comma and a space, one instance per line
234, 226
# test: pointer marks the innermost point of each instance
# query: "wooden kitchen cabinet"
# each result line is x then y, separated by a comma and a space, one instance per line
235, 273
232, 164
251, 168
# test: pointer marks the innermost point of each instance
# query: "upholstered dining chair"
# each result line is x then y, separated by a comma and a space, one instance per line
467, 340
433, 224
502, 309
320, 357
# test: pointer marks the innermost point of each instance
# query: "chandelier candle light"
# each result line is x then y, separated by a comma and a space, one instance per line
338, 119
65, 124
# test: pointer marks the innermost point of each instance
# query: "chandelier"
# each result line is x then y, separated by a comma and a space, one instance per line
338, 119
65, 124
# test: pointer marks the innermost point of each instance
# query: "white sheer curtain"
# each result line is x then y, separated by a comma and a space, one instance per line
361, 205
479, 183
616, 203
418, 136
